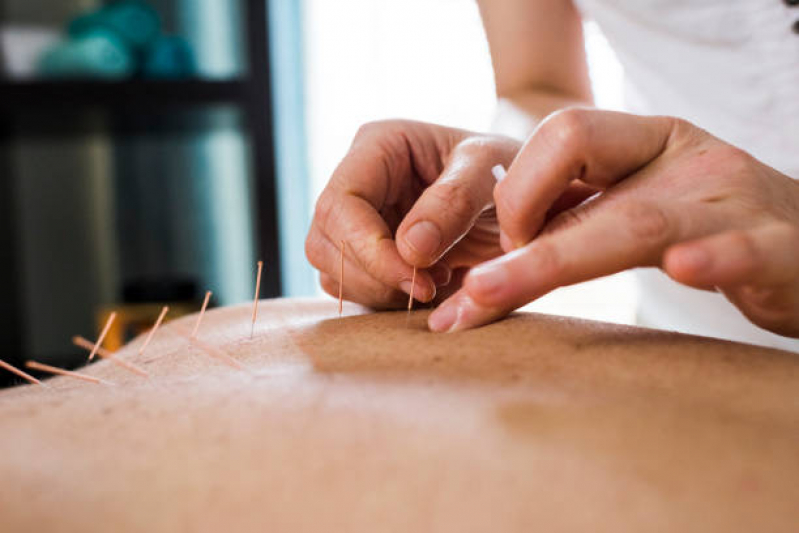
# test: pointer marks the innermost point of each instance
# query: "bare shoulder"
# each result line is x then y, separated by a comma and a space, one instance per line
369, 418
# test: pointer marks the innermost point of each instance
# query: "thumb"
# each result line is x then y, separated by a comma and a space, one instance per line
449, 207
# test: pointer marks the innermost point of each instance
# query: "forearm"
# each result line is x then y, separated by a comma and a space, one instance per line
517, 115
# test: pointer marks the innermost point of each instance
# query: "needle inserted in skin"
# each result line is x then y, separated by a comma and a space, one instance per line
101, 338
255, 299
202, 313
20, 373
164, 311
80, 342
33, 365
341, 281
413, 286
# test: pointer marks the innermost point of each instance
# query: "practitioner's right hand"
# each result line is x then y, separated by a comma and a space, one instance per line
408, 194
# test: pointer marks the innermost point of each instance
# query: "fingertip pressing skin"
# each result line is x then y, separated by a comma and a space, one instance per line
443, 318
449, 317
461, 312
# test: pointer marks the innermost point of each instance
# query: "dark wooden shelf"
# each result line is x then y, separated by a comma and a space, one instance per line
69, 95
66, 109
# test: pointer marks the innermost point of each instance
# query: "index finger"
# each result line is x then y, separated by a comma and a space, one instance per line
630, 234
370, 187
598, 148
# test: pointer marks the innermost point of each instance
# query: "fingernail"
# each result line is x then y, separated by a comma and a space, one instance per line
424, 237
441, 275
443, 319
406, 287
487, 279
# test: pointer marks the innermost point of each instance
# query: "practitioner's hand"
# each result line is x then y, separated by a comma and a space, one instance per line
710, 215
431, 187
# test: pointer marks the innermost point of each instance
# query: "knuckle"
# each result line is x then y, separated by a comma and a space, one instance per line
384, 140
368, 251
328, 285
377, 133
743, 241
369, 129
456, 199
739, 161
730, 169
682, 133
323, 208
565, 220
681, 128
648, 223
378, 129
386, 295
733, 159
314, 251
330, 213
548, 260
481, 148
569, 128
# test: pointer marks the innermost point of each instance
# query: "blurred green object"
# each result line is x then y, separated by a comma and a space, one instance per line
136, 22
119, 40
98, 54
168, 57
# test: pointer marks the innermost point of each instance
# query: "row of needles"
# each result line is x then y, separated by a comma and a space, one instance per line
96, 348
342, 249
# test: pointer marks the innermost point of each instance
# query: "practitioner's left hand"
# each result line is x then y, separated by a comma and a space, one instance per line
673, 196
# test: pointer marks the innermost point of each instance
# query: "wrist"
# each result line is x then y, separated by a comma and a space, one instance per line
518, 115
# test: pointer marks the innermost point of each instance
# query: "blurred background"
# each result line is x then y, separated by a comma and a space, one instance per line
152, 150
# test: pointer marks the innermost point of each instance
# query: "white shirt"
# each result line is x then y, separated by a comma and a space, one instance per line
732, 68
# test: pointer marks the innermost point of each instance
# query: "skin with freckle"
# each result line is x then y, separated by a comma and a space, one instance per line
372, 423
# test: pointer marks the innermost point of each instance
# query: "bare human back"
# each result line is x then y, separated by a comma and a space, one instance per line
371, 420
